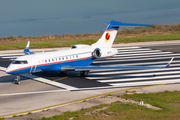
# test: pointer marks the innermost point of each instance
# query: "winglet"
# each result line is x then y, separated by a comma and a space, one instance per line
26, 50
169, 62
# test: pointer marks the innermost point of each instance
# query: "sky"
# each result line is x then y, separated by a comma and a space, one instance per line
57, 17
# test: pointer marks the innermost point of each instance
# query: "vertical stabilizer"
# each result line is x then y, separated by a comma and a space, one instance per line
107, 37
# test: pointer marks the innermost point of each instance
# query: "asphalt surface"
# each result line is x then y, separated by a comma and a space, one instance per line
45, 89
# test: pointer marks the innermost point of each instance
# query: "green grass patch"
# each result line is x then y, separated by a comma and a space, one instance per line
169, 101
29, 112
64, 43
148, 38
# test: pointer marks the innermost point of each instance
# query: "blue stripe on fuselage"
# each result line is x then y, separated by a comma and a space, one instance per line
55, 66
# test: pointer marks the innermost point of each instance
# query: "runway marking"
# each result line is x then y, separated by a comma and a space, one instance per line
37, 92
141, 54
80, 100
144, 83
145, 52
15, 54
125, 60
139, 49
127, 47
106, 72
138, 74
51, 82
32, 86
146, 63
7, 57
139, 78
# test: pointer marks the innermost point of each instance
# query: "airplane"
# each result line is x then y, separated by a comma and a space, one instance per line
77, 58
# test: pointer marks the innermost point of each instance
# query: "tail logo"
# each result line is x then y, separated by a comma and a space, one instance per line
107, 36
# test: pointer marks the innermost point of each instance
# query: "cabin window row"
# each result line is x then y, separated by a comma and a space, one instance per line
58, 59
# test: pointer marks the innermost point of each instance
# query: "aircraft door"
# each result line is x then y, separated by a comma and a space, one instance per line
33, 65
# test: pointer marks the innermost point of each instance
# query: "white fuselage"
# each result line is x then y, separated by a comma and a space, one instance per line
54, 61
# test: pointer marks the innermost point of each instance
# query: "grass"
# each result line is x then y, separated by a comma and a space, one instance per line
29, 112
169, 101
14, 115
125, 35
64, 43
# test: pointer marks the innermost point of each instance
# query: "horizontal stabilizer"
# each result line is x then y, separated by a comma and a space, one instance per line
114, 23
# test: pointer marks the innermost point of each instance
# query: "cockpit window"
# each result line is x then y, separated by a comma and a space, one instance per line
20, 62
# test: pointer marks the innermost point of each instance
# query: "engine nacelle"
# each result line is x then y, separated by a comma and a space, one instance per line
104, 52
79, 46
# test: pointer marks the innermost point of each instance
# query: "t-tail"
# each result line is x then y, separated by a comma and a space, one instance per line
109, 34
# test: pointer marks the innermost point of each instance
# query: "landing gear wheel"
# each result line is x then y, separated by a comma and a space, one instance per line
84, 73
17, 80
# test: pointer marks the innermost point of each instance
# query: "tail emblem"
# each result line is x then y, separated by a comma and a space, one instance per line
107, 36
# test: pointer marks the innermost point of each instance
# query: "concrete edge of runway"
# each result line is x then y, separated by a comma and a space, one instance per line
141, 44
79, 100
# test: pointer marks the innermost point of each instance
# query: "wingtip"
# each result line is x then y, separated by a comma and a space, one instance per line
169, 62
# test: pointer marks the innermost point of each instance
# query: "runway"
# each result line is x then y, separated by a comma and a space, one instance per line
41, 90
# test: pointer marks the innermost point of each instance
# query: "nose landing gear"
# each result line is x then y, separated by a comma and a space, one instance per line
17, 80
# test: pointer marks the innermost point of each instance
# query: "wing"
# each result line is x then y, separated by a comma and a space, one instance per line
26, 50
93, 67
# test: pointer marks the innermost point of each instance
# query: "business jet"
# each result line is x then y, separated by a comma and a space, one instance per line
77, 58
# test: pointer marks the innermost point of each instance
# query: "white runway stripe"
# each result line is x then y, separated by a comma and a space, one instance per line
18, 54
147, 56
130, 52
120, 60
164, 63
136, 74
160, 53
139, 49
139, 78
105, 72
145, 83
10, 57
40, 79
127, 47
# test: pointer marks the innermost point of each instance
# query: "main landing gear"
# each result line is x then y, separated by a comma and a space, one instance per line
84, 73
17, 80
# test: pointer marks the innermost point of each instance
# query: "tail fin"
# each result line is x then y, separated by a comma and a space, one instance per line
109, 34
26, 50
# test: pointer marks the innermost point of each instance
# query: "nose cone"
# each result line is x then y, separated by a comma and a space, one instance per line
10, 71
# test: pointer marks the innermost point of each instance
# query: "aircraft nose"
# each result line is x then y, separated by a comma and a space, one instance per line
11, 71
7, 71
